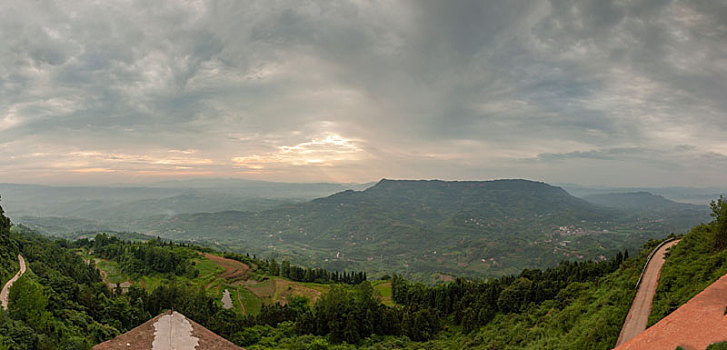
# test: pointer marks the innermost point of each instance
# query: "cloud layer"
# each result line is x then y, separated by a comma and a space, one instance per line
595, 92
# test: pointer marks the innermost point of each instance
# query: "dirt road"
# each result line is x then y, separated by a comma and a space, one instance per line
638, 316
5, 294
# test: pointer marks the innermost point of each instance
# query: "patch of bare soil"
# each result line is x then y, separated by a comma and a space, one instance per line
233, 269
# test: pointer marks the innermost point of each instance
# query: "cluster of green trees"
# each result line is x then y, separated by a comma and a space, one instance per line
298, 273
141, 258
474, 303
343, 315
318, 275
350, 314
719, 225
8, 249
61, 301
56, 302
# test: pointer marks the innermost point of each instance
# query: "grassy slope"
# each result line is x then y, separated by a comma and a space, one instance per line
383, 291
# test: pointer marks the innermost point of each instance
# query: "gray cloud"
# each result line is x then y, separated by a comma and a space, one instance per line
354, 91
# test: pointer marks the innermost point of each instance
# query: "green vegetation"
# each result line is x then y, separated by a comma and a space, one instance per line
112, 273
718, 346
422, 229
719, 226
572, 306
144, 257
63, 301
250, 302
60, 302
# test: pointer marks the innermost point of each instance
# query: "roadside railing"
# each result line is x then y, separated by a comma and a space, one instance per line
651, 255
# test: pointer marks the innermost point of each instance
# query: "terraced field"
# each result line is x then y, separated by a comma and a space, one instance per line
248, 290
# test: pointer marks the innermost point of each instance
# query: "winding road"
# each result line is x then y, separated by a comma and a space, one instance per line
638, 316
5, 294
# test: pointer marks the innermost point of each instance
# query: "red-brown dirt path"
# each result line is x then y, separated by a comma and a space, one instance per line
233, 268
695, 325
638, 316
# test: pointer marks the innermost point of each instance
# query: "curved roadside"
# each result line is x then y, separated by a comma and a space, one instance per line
638, 316
5, 293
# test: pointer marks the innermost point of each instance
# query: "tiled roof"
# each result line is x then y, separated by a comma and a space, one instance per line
168, 331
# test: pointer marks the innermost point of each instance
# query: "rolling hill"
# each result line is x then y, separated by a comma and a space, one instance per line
641, 201
425, 229
69, 297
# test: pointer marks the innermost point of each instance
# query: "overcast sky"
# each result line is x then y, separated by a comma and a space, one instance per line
632, 93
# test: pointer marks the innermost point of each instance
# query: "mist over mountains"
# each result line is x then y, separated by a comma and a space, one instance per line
424, 228
158, 198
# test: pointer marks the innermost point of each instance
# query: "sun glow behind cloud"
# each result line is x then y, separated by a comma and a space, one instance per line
329, 150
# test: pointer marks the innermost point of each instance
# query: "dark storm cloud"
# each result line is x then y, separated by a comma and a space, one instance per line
353, 90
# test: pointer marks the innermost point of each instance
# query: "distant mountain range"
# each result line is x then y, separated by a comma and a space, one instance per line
693, 195
428, 230
640, 201
123, 202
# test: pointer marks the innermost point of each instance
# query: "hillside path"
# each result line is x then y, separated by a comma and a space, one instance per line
5, 294
239, 300
693, 326
638, 316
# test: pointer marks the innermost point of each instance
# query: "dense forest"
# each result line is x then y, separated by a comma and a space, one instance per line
141, 258
61, 302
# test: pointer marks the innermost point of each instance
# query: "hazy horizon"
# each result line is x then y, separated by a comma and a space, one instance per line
594, 93
220, 182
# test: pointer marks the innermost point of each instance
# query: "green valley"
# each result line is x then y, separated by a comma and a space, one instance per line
429, 230
75, 300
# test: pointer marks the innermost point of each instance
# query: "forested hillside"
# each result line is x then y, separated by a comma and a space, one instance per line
430, 230
678, 216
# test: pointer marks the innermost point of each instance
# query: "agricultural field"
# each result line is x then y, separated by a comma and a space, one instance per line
382, 290
249, 290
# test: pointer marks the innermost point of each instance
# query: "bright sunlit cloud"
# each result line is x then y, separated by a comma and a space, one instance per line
327, 151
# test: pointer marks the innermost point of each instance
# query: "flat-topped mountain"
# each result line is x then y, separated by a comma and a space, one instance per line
452, 227
491, 198
426, 227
